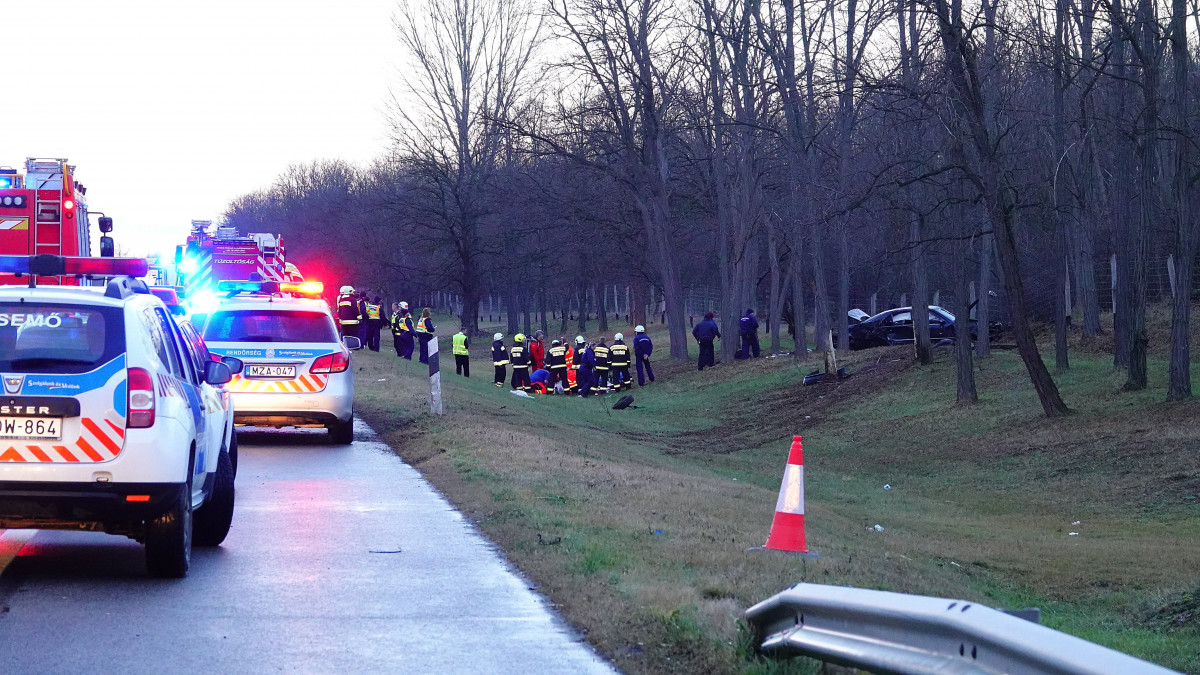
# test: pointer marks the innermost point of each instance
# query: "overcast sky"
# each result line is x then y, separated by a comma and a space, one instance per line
170, 108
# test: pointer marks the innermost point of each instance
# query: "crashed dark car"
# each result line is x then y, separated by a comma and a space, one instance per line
895, 327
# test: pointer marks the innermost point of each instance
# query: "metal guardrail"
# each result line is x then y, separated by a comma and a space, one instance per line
896, 633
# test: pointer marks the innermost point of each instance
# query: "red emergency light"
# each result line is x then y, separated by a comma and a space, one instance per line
303, 287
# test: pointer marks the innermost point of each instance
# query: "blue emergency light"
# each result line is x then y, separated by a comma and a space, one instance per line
6, 182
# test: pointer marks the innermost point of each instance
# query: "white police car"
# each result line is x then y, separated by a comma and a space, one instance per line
108, 420
297, 373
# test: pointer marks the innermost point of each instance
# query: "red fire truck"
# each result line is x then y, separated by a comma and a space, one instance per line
43, 210
210, 257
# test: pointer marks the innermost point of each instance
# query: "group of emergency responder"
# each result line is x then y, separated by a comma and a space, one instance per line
583, 369
364, 317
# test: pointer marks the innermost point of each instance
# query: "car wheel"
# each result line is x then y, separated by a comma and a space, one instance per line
342, 432
214, 518
169, 538
233, 451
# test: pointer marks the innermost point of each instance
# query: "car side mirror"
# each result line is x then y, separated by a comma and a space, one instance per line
352, 342
216, 372
235, 364
107, 247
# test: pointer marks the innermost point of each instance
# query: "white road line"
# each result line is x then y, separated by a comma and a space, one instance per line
11, 543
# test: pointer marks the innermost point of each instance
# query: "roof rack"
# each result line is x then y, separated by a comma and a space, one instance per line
122, 287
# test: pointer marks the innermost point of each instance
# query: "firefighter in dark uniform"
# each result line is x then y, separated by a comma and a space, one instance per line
362, 311
499, 358
348, 316
402, 331
618, 362
424, 334
556, 362
374, 323
600, 351
519, 354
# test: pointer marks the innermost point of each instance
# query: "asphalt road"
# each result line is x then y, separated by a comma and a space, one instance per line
340, 559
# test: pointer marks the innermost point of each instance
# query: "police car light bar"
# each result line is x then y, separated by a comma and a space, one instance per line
233, 287
304, 288
47, 265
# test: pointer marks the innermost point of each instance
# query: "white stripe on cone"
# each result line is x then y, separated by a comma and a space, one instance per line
791, 494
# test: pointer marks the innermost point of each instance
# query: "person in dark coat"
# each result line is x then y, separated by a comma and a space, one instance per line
705, 332
748, 329
586, 378
642, 349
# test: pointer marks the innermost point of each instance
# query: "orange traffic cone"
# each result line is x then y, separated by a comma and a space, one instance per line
787, 530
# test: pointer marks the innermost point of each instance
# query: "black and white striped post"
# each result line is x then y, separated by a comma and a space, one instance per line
435, 378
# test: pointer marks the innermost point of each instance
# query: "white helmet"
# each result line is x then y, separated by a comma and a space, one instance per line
578, 339
403, 305
346, 289
640, 329
498, 336
619, 336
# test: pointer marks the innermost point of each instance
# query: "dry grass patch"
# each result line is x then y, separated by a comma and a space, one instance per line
637, 523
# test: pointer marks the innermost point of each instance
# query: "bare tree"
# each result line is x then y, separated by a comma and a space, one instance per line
470, 59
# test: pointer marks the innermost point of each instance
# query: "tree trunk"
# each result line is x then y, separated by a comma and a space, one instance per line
777, 290
1179, 378
983, 309
963, 353
601, 310
920, 301
1147, 175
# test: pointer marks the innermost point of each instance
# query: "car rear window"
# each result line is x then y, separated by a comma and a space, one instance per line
58, 338
269, 325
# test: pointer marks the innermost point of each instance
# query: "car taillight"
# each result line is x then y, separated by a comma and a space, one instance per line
336, 362
141, 399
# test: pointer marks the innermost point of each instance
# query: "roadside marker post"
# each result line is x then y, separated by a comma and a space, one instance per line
435, 379
787, 530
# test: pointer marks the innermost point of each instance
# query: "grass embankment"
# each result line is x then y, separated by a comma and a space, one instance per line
636, 523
